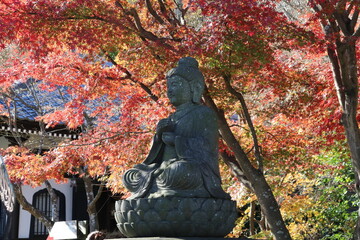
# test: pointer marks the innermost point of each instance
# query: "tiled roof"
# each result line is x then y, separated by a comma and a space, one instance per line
29, 101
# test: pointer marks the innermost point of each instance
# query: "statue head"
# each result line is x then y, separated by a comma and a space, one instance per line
188, 69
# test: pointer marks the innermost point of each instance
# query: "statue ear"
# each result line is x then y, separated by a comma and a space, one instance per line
197, 91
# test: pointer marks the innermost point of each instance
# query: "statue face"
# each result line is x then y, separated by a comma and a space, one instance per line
178, 90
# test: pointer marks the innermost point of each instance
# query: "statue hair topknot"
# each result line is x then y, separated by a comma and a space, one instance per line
188, 69
188, 62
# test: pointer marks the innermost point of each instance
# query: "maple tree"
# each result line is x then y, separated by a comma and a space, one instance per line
118, 31
336, 27
112, 55
341, 33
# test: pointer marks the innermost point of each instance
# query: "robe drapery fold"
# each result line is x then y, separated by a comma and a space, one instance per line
187, 169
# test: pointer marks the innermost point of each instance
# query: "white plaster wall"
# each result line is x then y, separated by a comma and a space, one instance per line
25, 216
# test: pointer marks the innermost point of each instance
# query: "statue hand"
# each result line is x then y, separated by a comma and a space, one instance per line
164, 125
168, 138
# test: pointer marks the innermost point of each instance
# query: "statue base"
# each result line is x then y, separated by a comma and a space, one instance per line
175, 217
182, 238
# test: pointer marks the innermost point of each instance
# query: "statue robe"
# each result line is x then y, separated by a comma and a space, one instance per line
187, 169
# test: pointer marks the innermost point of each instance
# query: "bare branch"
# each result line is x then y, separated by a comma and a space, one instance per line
13, 96
12, 122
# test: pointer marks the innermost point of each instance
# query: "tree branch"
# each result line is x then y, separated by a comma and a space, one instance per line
98, 194
357, 32
262, 190
229, 137
54, 201
173, 21
142, 32
99, 141
247, 116
337, 75
129, 76
162, 6
354, 19
344, 23
127, 13
153, 12
236, 169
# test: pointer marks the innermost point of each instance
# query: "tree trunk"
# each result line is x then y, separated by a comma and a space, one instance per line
262, 190
91, 200
344, 68
31, 209
252, 218
341, 32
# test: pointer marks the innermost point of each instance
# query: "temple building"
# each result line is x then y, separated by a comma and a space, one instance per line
18, 123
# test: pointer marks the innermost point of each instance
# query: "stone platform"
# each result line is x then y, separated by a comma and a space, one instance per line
180, 238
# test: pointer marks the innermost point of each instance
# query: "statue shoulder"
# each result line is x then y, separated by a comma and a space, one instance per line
204, 111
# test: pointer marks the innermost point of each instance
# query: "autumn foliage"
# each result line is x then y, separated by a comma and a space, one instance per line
111, 56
